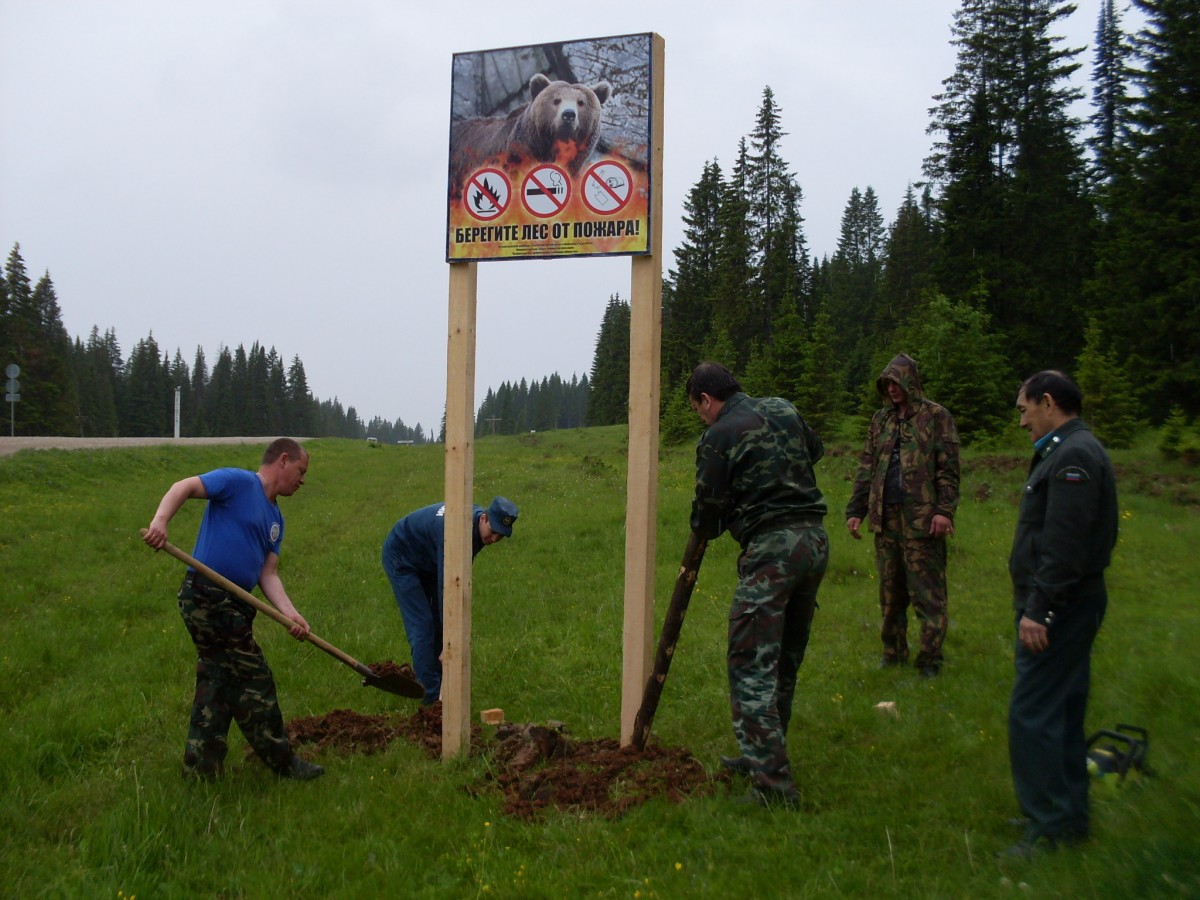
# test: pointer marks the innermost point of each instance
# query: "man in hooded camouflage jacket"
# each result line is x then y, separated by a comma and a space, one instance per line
754, 479
907, 491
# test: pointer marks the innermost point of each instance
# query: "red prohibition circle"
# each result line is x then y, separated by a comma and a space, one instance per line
484, 199
546, 191
607, 187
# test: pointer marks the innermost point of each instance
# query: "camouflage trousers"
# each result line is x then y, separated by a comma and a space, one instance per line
233, 683
912, 572
779, 573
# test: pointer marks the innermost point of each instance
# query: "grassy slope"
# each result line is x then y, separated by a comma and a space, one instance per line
95, 676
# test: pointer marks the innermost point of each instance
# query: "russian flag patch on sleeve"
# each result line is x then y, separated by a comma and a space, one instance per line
1073, 475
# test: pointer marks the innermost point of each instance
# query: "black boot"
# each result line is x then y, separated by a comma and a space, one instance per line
301, 770
741, 765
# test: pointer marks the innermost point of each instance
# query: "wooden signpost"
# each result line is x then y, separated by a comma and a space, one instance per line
642, 488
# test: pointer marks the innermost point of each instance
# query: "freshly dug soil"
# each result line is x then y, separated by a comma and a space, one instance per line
535, 766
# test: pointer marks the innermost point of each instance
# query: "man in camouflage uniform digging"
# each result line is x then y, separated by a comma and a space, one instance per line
907, 491
754, 479
240, 537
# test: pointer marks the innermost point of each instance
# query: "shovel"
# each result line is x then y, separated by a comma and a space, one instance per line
392, 682
689, 570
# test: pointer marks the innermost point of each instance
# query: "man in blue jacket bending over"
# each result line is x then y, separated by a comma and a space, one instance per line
414, 560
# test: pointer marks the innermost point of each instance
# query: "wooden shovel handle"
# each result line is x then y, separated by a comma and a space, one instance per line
685, 582
265, 608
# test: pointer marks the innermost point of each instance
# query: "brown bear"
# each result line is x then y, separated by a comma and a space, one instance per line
560, 124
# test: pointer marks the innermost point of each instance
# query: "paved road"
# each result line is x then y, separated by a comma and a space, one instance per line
10, 445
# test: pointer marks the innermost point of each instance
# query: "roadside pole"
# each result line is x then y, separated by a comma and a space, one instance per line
12, 395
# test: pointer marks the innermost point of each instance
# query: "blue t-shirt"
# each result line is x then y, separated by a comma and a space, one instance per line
240, 526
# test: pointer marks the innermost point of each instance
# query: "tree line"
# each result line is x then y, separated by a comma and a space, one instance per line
1022, 246
534, 406
86, 388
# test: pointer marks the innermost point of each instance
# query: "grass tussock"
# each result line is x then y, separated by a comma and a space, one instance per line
96, 675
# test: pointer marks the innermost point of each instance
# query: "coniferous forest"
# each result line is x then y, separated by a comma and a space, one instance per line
1034, 237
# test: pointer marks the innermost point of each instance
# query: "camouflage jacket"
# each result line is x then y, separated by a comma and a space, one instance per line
754, 469
929, 469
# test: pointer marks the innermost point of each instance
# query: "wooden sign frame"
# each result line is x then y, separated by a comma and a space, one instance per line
642, 487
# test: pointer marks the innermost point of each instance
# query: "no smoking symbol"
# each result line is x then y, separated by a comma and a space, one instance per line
487, 194
607, 187
546, 191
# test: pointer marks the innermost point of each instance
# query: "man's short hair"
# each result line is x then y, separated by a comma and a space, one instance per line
280, 446
1058, 385
713, 379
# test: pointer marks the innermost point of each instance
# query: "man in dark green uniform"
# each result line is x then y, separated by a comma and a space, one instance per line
754, 479
1066, 530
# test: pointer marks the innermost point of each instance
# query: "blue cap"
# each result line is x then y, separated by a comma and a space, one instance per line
501, 515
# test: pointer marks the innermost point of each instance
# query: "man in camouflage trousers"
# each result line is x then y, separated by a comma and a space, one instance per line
754, 479
240, 537
907, 491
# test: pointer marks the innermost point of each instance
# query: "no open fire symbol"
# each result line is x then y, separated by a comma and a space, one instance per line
487, 194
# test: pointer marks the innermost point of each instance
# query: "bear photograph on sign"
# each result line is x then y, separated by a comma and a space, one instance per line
549, 150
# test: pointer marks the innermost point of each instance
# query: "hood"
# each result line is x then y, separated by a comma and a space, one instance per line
902, 370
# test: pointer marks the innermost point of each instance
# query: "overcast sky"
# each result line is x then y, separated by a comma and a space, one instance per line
232, 171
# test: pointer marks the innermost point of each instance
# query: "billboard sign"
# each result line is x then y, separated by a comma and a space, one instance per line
550, 150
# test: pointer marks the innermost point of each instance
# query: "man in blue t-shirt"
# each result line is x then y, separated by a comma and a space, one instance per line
240, 537
414, 559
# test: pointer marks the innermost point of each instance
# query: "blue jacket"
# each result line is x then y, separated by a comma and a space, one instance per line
419, 539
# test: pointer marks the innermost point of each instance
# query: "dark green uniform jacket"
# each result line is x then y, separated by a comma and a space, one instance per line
754, 470
1067, 524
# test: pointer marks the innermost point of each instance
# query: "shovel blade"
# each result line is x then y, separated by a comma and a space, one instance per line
395, 683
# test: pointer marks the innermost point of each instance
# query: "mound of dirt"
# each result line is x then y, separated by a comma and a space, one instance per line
536, 767
539, 767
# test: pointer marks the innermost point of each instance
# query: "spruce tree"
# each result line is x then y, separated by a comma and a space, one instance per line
1109, 404
819, 394
909, 257
487, 410
854, 282
258, 400
48, 389
6, 351
301, 406
240, 392
1013, 205
735, 275
146, 407
277, 395
198, 424
219, 411
679, 423
19, 325
93, 372
1148, 268
19, 317
1110, 97
608, 398
776, 229
962, 365
687, 291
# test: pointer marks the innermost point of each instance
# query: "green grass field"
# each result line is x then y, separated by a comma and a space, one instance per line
96, 676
